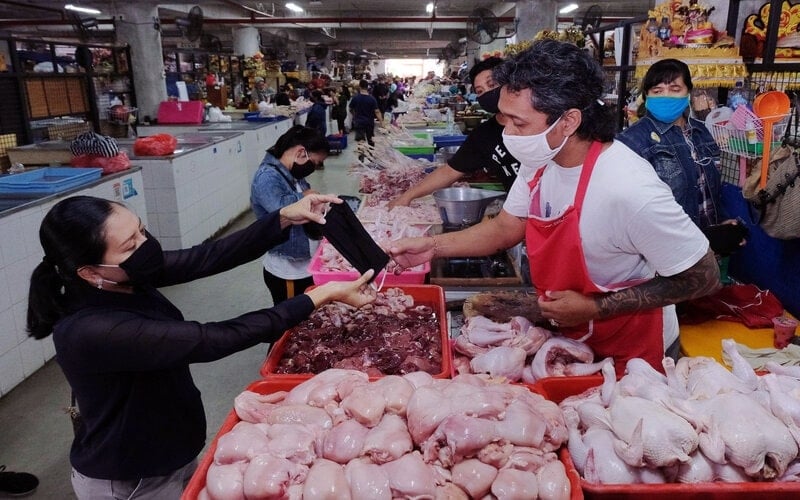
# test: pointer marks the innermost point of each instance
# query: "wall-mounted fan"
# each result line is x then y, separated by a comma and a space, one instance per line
191, 26
85, 27
454, 50
591, 19
482, 26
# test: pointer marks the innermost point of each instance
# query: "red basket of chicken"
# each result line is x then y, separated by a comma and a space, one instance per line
558, 389
271, 451
390, 337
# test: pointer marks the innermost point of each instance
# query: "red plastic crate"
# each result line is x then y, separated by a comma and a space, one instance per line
426, 294
321, 276
559, 388
198, 480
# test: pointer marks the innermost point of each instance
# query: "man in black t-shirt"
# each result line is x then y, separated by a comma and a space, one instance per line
364, 109
482, 149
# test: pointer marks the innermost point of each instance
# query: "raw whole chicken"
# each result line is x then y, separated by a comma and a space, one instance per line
502, 361
434, 439
556, 356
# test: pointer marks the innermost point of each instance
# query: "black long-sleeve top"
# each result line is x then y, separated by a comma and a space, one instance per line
127, 356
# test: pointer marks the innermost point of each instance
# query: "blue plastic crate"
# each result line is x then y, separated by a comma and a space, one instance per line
443, 141
255, 117
48, 180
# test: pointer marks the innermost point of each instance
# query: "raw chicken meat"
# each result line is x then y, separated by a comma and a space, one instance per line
252, 407
410, 476
242, 443
557, 354
344, 442
387, 441
512, 484
226, 482
296, 442
269, 477
702, 470
502, 361
474, 477
367, 481
326, 481
552, 481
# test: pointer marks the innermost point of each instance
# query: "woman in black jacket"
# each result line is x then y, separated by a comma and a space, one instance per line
125, 349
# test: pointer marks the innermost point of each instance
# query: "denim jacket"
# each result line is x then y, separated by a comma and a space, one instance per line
273, 188
663, 145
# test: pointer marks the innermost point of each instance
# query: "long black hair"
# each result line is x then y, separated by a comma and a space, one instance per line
561, 76
72, 235
309, 138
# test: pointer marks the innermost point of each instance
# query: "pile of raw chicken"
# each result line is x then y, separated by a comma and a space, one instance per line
518, 350
340, 436
698, 423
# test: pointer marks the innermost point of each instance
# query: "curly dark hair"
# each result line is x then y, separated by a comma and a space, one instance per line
561, 76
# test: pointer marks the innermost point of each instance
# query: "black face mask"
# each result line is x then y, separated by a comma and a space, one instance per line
145, 263
302, 170
489, 100
345, 232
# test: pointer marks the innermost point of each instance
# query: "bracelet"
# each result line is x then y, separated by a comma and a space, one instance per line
435, 246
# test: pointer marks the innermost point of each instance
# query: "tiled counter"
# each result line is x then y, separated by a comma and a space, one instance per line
20, 253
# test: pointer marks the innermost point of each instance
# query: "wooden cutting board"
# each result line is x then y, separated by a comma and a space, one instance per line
502, 305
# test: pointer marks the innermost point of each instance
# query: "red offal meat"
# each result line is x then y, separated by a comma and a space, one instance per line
392, 336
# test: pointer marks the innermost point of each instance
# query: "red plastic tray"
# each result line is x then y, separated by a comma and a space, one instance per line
428, 294
558, 388
198, 481
321, 276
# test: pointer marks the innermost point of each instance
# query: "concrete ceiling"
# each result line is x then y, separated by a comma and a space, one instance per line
389, 28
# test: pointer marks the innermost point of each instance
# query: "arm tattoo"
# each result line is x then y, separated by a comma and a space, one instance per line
699, 280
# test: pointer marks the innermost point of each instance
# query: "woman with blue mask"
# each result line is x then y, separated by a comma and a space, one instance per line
610, 251
680, 148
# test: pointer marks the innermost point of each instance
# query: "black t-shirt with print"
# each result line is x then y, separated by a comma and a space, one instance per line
484, 149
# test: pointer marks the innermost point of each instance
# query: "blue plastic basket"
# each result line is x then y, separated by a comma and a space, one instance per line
443, 141
255, 117
421, 156
48, 180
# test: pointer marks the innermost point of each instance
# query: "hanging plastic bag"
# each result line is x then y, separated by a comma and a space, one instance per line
155, 145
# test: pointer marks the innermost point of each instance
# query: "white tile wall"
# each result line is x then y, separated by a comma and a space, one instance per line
21, 252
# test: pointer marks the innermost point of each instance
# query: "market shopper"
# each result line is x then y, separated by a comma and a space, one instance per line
364, 110
125, 349
280, 181
317, 118
282, 97
680, 148
259, 93
609, 248
483, 148
339, 109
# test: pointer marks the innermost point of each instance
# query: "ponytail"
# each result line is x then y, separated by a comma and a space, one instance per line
45, 300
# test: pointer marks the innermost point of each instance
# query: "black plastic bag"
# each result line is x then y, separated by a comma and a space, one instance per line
347, 235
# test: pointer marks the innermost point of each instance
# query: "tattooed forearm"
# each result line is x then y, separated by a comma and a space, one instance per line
699, 280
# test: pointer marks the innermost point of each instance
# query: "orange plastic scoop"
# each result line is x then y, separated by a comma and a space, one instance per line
771, 107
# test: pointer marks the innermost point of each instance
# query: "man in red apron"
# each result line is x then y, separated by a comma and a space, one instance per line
609, 247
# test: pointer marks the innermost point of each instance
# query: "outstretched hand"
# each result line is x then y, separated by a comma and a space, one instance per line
409, 252
354, 293
310, 208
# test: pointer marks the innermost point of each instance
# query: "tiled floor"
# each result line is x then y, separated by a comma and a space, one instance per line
35, 433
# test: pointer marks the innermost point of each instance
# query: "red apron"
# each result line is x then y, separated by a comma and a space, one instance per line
557, 263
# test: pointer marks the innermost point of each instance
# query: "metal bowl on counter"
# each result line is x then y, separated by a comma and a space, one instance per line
462, 206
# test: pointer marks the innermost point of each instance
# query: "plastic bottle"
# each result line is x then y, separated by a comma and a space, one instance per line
750, 132
664, 30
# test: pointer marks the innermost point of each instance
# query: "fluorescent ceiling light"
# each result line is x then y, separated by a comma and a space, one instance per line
429, 8
569, 8
294, 7
84, 10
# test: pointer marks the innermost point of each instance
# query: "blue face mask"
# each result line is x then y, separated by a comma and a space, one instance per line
666, 109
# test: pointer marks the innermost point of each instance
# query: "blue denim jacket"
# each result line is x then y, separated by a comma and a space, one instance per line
663, 145
273, 188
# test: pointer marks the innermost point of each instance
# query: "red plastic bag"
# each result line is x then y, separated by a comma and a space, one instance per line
155, 145
116, 163
745, 303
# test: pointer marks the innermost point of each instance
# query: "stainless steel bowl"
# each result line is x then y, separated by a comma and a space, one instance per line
463, 206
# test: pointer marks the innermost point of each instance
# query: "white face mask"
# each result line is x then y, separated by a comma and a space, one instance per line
532, 150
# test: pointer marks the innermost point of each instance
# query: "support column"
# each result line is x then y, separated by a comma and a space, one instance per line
246, 41
535, 16
136, 28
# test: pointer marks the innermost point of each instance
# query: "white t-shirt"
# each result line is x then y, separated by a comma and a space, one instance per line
631, 227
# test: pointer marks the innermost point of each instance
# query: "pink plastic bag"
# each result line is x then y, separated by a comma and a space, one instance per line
155, 145
110, 165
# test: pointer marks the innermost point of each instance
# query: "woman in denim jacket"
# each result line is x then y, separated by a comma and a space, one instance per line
679, 147
280, 181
